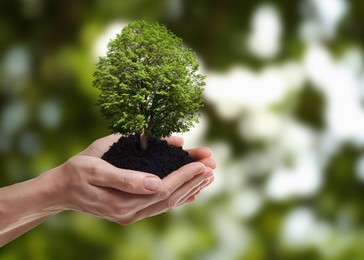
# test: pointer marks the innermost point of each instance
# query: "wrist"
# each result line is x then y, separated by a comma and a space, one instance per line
50, 193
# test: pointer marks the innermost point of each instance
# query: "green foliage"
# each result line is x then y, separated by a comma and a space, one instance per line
311, 113
149, 82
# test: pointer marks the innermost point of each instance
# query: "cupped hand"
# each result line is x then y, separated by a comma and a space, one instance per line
89, 184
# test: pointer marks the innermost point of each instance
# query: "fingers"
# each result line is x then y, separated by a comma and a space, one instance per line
200, 153
209, 162
177, 178
190, 188
187, 177
192, 195
134, 182
174, 186
203, 155
175, 140
181, 195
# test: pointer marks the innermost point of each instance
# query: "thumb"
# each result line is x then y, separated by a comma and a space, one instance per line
127, 180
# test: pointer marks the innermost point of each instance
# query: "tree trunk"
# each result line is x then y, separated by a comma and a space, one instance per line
143, 140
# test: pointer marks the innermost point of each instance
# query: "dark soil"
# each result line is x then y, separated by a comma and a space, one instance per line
160, 158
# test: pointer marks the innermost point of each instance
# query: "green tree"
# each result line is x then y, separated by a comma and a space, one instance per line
149, 82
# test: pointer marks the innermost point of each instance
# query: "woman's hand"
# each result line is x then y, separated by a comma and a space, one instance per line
89, 184
124, 196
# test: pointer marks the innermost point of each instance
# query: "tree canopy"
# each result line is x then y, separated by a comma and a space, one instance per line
149, 82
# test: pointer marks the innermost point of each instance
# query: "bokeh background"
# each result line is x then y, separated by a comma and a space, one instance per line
284, 115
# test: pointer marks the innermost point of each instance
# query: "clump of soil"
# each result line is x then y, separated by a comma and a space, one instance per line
160, 158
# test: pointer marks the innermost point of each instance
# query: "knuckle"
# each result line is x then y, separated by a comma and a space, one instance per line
126, 221
126, 182
199, 166
70, 165
164, 193
124, 211
96, 168
171, 202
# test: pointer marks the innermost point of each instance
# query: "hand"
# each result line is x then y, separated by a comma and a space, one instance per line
89, 184
98, 188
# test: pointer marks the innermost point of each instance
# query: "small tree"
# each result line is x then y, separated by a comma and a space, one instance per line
149, 82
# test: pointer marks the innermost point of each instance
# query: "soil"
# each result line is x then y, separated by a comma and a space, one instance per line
160, 158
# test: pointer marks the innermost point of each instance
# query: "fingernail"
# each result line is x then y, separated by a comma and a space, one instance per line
152, 183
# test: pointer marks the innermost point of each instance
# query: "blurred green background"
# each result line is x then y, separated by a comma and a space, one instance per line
284, 115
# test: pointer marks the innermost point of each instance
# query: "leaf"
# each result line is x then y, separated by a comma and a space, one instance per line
149, 78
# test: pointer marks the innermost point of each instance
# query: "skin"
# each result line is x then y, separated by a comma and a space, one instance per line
88, 184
